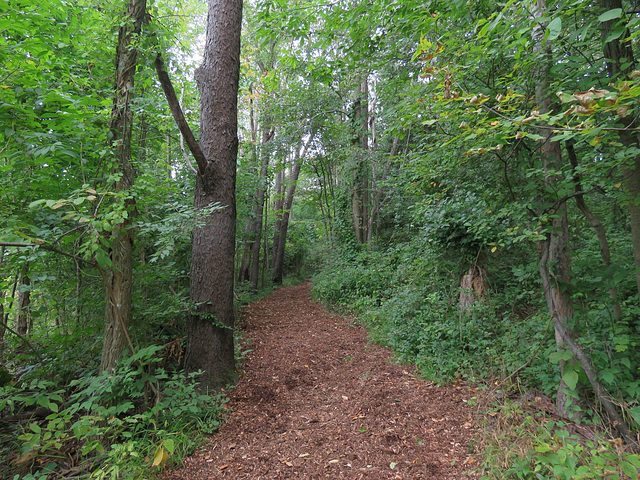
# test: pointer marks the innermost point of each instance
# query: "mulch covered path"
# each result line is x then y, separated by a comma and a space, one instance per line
317, 401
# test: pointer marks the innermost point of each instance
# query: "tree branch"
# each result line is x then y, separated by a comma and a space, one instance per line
178, 116
24, 340
49, 248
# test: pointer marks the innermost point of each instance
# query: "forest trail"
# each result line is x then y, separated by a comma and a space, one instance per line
317, 401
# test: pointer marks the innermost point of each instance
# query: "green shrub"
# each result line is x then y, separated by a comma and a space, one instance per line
119, 424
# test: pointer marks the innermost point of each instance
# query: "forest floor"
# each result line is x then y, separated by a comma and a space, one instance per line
315, 400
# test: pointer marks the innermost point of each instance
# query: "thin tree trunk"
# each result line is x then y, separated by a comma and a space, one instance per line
250, 266
278, 261
267, 135
24, 301
245, 259
210, 346
77, 312
605, 252
324, 203
265, 248
278, 205
119, 277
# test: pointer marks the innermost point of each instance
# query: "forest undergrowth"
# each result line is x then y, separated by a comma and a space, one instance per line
409, 299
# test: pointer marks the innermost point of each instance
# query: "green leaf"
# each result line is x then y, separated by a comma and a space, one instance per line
36, 203
554, 29
169, 445
629, 469
607, 376
103, 260
570, 377
615, 34
610, 15
556, 357
635, 413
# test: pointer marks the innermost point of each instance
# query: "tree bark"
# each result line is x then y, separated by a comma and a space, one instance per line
250, 262
555, 263
473, 285
360, 192
278, 212
210, 346
119, 277
267, 135
24, 301
278, 261
247, 241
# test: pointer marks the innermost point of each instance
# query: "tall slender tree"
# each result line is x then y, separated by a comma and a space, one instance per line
119, 276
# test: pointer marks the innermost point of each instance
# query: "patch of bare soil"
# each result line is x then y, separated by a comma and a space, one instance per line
317, 401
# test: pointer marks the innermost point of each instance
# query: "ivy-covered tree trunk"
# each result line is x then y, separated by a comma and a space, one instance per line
360, 190
210, 345
553, 251
119, 276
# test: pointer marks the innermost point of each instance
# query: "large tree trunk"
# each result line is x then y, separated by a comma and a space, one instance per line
210, 346
555, 263
119, 277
